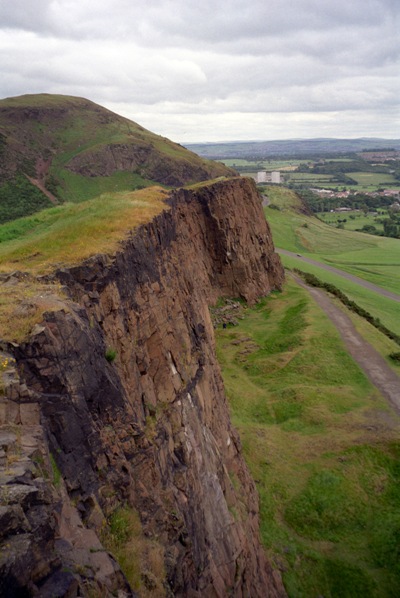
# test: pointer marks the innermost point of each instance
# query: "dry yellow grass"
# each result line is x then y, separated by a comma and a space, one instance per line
64, 236
22, 305
141, 559
73, 232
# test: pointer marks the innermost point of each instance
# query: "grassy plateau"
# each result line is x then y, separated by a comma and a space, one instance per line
60, 236
71, 232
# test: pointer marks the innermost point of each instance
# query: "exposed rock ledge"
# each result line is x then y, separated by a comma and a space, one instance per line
151, 429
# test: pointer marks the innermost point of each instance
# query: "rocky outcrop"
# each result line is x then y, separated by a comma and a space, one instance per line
125, 386
142, 159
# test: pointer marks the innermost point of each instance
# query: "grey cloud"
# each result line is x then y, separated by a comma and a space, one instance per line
209, 60
170, 22
26, 15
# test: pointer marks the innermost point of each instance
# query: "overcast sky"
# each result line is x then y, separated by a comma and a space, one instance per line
211, 70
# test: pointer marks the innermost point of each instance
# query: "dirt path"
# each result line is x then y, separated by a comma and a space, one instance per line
371, 362
360, 281
40, 185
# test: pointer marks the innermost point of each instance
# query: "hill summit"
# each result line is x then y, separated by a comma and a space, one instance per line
56, 148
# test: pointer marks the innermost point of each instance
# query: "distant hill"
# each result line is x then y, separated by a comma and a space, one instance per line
55, 148
290, 147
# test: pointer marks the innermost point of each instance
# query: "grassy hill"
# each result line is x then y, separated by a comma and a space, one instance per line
56, 148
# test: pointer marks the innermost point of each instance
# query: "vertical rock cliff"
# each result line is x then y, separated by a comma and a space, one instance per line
119, 394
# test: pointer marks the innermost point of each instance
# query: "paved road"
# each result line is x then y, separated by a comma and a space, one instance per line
356, 279
370, 361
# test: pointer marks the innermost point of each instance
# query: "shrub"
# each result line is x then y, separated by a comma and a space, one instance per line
110, 355
395, 357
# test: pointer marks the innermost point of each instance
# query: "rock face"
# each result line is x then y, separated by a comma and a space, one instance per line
141, 158
125, 387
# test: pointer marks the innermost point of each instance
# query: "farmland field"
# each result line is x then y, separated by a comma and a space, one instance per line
371, 180
354, 220
254, 165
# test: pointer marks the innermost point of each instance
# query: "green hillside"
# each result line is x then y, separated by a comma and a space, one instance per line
320, 440
57, 148
374, 259
322, 445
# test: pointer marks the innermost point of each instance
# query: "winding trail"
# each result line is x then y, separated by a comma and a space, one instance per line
371, 362
356, 279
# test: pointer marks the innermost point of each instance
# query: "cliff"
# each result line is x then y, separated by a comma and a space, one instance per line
117, 400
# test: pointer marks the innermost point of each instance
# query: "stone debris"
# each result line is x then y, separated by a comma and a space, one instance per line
228, 314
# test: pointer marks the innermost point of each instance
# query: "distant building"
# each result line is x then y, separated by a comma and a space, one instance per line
276, 177
261, 177
268, 177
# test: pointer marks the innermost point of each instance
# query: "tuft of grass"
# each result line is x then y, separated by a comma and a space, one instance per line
22, 305
122, 538
110, 355
56, 471
141, 560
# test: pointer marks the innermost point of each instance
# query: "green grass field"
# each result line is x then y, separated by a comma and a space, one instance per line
380, 307
79, 188
376, 259
322, 445
369, 181
355, 219
286, 165
312, 179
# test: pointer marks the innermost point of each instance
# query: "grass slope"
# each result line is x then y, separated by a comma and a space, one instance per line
376, 259
69, 233
322, 445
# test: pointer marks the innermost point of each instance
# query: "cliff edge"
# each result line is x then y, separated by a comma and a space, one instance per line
116, 407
